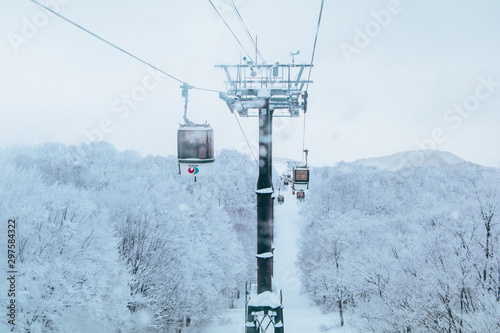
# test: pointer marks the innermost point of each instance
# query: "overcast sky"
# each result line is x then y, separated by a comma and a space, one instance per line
389, 76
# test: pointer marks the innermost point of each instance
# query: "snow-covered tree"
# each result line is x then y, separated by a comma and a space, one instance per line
70, 276
118, 241
415, 249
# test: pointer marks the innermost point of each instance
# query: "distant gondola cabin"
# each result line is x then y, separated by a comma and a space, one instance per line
281, 199
301, 178
195, 150
301, 195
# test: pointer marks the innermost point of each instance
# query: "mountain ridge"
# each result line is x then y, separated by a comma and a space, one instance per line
412, 158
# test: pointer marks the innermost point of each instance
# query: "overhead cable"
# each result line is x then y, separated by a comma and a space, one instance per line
236, 11
248, 143
115, 46
231, 30
309, 76
315, 40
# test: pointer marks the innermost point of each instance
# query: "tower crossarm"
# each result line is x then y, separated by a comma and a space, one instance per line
249, 85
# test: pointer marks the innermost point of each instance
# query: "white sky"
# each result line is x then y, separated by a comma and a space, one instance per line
58, 81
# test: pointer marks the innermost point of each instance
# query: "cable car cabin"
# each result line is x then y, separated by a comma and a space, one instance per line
195, 150
301, 178
281, 199
301, 195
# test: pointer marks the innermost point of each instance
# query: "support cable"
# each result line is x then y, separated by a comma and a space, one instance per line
248, 143
117, 47
315, 40
242, 131
254, 43
231, 30
309, 76
304, 138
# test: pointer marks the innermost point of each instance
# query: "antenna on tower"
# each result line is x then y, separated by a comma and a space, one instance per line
293, 56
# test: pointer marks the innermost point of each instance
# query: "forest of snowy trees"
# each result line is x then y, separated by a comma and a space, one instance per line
111, 241
411, 250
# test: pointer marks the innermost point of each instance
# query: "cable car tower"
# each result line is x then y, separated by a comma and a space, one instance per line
265, 91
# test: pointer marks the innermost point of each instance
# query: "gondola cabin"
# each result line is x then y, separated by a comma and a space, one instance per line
301, 178
281, 199
195, 150
301, 195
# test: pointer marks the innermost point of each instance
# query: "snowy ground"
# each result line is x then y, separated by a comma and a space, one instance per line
299, 315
